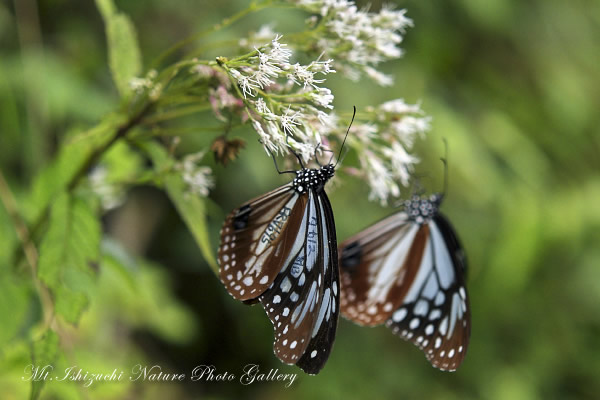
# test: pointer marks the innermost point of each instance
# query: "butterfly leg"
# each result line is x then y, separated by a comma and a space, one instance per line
276, 166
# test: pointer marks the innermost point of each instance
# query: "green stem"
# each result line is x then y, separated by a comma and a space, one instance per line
254, 6
179, 112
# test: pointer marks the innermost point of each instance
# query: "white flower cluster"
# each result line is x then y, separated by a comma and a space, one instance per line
198, 177
288, 107
299, 112
358, 40
110, 195
140, 85
383, 146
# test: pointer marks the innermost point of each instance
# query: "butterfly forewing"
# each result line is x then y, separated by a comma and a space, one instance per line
412, 275
254, 241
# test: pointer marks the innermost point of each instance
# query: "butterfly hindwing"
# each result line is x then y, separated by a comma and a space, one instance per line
408, 270
323, 334
301, 302
436, 316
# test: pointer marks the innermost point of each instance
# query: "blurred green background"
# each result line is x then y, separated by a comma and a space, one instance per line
512, 85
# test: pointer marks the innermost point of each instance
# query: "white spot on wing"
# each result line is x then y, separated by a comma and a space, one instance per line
421, 308
399, 315
286, 285
414, 323
443, 326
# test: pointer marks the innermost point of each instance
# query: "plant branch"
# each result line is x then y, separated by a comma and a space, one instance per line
31, 254
254, 6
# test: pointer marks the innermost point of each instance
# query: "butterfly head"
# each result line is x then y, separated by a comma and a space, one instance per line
312, 178
421, 209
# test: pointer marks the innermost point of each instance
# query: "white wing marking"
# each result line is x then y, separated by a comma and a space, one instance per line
443, 263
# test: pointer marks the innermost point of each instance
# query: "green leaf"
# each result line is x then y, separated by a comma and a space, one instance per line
68, 253
54, 179
44, 352
106, 7
123, 49
141, 293
122, 164
191, 208
14, 302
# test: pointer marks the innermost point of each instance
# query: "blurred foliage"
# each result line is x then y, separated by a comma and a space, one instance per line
514, 88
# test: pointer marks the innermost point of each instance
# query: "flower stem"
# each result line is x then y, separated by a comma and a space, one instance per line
254, 6
179, 112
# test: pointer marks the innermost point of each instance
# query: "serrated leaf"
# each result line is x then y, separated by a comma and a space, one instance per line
191, 208
68, 253
123, 49
44, 352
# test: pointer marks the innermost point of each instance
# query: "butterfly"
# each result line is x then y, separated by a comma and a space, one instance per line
280, 249
408, 271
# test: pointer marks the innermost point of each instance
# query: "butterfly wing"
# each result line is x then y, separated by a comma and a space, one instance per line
376, 268
255, 240
323, 334
303, 301
280, 249
411, 275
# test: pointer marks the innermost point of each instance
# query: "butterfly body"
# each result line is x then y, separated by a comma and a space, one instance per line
407, 271
280, 249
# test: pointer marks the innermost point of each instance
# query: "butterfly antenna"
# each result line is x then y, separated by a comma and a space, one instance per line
345, 137
445, 161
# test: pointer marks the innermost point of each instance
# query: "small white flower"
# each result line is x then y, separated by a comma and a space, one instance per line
380, 179
379, 77
402, 162
323, 97
289, 122
110, 195
261, 106
302, 76
398, 106
364, 132
279, 51
138, 85
248, 85
198, 178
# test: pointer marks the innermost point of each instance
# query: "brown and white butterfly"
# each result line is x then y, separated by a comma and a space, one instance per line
280, 249
408, 271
